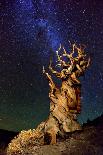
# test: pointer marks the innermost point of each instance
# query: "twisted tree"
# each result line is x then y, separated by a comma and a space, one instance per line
65, 101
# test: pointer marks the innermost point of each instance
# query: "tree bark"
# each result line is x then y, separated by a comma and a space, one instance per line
65, 101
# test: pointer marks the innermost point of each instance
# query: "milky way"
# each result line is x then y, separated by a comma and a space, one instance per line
30, 33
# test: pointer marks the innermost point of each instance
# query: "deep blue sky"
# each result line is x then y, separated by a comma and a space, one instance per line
30, 33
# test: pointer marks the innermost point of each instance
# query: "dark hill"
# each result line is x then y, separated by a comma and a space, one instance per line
96, 122
5, 138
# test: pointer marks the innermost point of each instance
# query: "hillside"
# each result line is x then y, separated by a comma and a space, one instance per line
88, 141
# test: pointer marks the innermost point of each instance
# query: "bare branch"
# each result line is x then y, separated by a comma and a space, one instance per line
88, 63
54, 72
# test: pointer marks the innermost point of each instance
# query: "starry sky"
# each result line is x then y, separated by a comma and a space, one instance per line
30, 33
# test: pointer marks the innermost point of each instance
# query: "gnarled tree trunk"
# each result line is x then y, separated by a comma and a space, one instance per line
65, 102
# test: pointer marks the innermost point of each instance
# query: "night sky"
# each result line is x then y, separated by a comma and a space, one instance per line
30, 33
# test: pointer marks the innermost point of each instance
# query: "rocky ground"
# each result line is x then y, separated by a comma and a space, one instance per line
89, 141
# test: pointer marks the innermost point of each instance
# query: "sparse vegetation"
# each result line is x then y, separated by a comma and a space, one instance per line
24, 142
